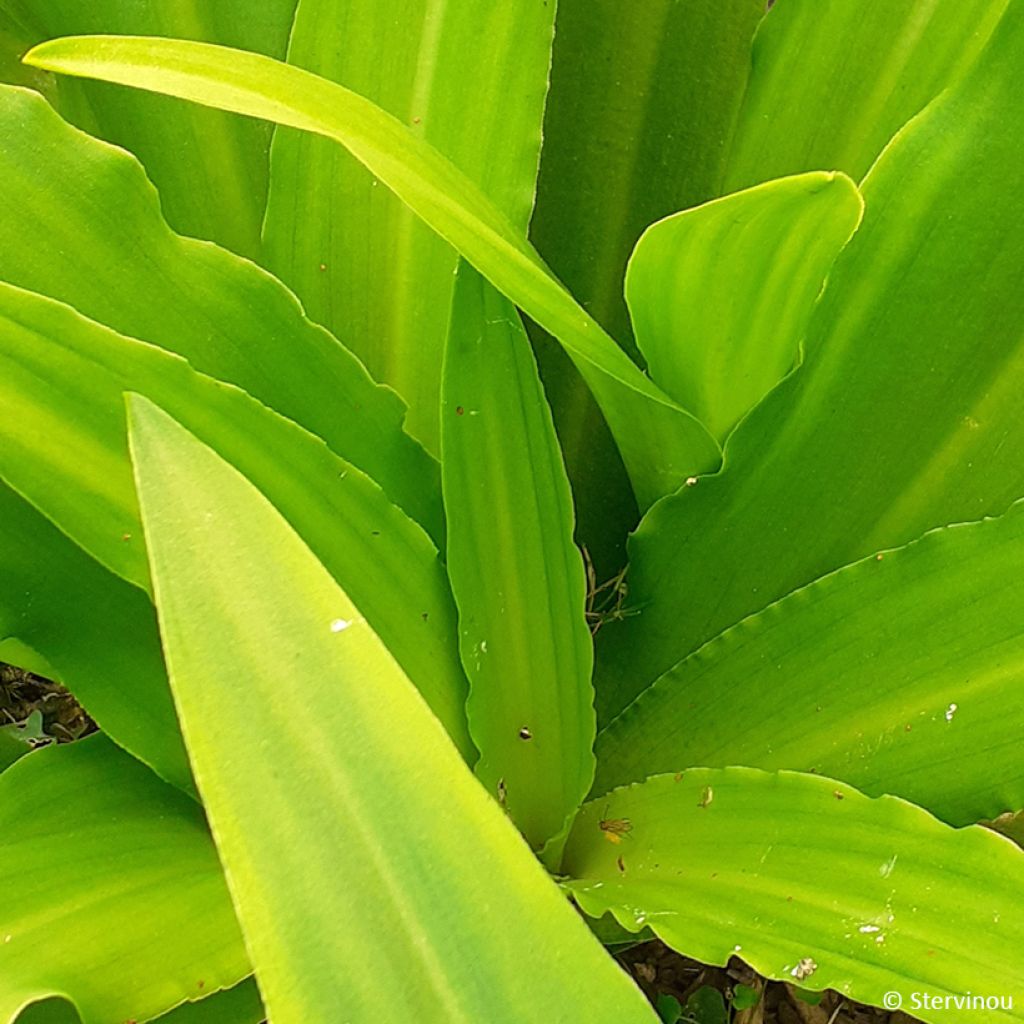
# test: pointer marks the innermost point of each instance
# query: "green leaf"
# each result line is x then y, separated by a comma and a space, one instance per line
210, 168
896, 674
70, 203
865, 69
744, 997
422, 898
661, 444
905, 414
61, 603
808, 880
516, 575
364, 266
113, 895
721, 295
75, 468
21, 738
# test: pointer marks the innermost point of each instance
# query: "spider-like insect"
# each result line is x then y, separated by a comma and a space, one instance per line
605, 601
615, 829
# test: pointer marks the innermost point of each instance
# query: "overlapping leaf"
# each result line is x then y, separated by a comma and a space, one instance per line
661, 444
809, 882
328, 809
516, 575
113, 895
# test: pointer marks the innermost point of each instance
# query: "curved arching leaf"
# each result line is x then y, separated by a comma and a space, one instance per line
661, 444
113, 894
346, 815
899, 674
813, 883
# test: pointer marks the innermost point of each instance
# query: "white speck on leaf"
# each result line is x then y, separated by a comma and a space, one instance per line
340, 624
804, 969
950, 712
886, 869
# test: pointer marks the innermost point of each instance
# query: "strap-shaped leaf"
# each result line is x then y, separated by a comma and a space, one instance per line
517, 577
660, 443
812, 883
341, 808
75, 214
899, 674
97, 631
113, 894
720, 295
210, 167
75, 468
865, 69
365, 266
906, 412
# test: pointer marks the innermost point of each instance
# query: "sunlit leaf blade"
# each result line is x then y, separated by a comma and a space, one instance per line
661, 444
96, 630
75, 469
517, 577
810, 882
638, 114
865, 69
113, 894
364, 265
720, 295
328, 809
75, 215
922, 653
210, 167
906, 413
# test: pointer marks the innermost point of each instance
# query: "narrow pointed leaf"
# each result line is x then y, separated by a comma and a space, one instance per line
516, 575
74, 216
660, 443
865, 70
76, 470
61, 603
210, 167
113, 894
348, 796
810, 882
905, 414
720, 295
922, 652
365, 266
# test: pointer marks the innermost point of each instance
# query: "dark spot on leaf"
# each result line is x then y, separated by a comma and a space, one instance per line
459, 410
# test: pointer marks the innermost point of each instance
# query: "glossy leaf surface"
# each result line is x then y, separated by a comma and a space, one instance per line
326, 808
516, 575
809, 881
661, 444
364, 265
210, 167
720, 295
865, 69
113, 894
896, 674
76, 470
75, 217
906, 412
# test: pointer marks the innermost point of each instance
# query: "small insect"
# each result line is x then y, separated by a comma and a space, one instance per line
525, 734
804, 969
615, 829
605, 601
621, 864
502, 792
838, 794
706, 797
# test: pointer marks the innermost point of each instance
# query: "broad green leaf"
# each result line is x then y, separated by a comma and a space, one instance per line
74, 467
906, 412
720, 295
898, 674
113, 894
210, 168
516, 575
661, 444
810, 882
638, 114
359, 824
364, 266
98, 632
76, 214
865, 69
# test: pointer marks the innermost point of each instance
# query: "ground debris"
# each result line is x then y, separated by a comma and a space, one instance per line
22, 693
